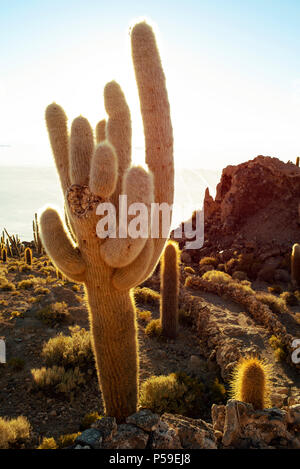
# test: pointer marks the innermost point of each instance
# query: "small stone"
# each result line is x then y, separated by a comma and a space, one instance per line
144, 419
107, 426
90, 437
128, 437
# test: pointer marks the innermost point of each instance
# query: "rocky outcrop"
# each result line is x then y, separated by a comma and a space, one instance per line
148, 430
255, 210
234, 425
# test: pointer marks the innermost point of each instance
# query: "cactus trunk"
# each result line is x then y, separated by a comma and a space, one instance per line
113, 327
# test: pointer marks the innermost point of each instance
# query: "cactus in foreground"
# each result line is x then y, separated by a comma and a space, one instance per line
251, 382
3, 254
169, 289
28, 256
111, 267
295, 265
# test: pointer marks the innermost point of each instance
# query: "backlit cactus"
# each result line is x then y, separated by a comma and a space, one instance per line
295, 265
251, 382
111, 267
169, 289
28, 256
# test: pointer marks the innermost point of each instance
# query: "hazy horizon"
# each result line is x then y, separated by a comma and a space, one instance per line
25, 190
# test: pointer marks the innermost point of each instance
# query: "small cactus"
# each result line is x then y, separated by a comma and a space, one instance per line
295, 265
250, 382
4, 254
297, 161
28, 256
169, 290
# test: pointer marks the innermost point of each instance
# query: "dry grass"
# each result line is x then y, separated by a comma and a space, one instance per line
144, 315
13, 431
154, 328
277, 305
57, 379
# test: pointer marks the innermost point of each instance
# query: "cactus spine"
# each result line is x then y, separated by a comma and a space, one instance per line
111, 267
295, 265
28, 256
251, 382
169, 288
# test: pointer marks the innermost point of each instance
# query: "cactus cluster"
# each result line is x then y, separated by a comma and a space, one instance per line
169, 288
91, 173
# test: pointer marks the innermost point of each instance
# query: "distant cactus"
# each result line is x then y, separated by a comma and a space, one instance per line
295, 265
36, 235
169, 289
251, 382
297, 161
3, 254
28, 256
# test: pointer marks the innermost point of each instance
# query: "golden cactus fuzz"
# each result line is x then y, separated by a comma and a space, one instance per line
251, 382
169, 290
92, 170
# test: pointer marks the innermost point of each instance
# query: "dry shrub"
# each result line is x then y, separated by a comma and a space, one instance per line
208, 261
176, 393
154, 328
57, 379
67, 351
48, 443
54, 313
146, 295
277, 305
144, 315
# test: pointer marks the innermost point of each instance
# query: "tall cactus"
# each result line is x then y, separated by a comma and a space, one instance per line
28, 256
111, 267
169, 276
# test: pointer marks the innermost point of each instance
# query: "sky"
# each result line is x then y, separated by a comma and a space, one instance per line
232, 70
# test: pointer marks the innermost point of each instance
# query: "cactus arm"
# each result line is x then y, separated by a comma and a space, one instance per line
104, 170
155, 112
132, 275
56, 121
119, 252
81, 149
100, 131
59, 246
118, 130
